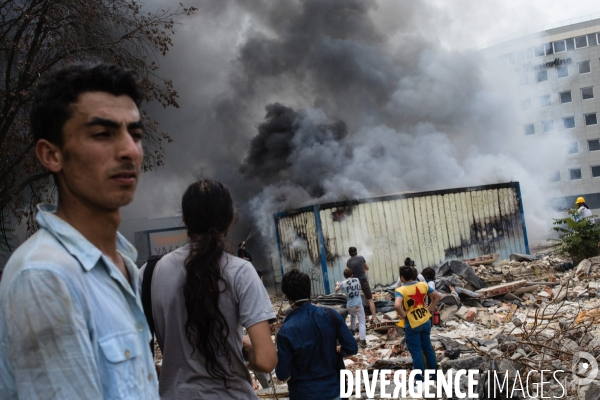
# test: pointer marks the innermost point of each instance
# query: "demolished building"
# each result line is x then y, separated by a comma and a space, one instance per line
430, 227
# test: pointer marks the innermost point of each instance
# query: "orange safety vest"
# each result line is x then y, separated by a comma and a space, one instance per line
413, 297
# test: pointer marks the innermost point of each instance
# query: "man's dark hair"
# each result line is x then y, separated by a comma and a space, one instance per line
415, 273
296, 285
408, 262
348, 273
352, 251
407, 273
60, 89
429, 274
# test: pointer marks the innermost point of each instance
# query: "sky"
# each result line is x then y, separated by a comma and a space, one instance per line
290, 103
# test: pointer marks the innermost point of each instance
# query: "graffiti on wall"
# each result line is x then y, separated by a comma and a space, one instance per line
165, 242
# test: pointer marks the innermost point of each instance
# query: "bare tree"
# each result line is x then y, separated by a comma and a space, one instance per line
37, 36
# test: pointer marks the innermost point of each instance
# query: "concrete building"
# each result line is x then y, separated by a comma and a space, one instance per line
558, 74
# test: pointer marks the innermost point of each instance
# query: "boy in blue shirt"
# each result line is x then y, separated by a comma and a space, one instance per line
351, 288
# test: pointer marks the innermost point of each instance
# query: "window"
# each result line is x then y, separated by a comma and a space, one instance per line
542, 75
570, 44
590, 119
555, 177
587, 93
592, 39
539, 51
526, 104
569, 122
529, 129
597, 37
594, 145
562, 71
529, 53
548, 48
545, 100
584, 67
573, 148
595, 171
581, 42
548, 125
523, 79
575, 173
565, 97
560, 46
520, 55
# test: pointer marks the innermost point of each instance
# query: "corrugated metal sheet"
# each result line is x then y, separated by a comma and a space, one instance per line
429, 227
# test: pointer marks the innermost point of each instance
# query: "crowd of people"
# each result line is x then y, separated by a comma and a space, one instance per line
77, 317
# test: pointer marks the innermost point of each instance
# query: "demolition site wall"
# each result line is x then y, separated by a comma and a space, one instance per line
429, 227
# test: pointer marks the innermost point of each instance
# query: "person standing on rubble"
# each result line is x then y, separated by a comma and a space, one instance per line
358, 265
351, 288
306, 343
71, 326
410, 306
202, 298
583, 210
243, 253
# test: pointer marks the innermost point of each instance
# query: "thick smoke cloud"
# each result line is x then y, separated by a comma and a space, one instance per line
273, 155
362, 98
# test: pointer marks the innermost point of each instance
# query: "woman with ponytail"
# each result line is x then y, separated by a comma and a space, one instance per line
202, 298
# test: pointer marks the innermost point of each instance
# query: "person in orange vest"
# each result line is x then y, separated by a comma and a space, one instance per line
410, 306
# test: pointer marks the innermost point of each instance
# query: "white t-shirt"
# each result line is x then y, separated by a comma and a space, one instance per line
584, 211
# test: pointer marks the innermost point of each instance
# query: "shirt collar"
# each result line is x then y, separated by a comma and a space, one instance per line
77, 245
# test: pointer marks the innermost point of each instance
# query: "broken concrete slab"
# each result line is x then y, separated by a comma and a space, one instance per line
502, 289
448, 313
583, 268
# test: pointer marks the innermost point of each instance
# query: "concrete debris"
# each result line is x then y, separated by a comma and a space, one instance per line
529, 313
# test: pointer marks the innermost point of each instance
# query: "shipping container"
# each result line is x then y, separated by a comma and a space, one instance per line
429, 227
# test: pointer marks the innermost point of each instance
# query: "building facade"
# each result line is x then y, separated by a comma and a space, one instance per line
558, 77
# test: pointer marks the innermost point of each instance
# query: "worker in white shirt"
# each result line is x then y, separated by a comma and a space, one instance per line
583, 210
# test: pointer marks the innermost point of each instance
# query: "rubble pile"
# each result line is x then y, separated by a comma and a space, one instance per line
532, 313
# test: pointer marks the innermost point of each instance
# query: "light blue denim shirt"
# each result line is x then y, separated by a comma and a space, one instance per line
71, 326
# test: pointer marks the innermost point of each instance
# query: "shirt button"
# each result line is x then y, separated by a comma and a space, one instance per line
140, 327
127, 353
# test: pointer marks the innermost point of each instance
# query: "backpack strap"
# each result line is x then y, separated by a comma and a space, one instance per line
147, 297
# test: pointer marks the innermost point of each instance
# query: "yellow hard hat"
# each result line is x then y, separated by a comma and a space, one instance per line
580, 200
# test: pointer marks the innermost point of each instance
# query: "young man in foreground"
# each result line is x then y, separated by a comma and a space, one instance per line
71, 326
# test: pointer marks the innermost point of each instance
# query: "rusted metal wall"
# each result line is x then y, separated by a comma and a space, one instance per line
429, 227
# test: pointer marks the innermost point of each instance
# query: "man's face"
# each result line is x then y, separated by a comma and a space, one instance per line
102, 151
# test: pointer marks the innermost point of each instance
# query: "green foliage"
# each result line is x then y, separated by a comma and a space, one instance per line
577, 239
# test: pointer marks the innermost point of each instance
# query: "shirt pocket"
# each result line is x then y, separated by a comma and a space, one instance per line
123, 366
